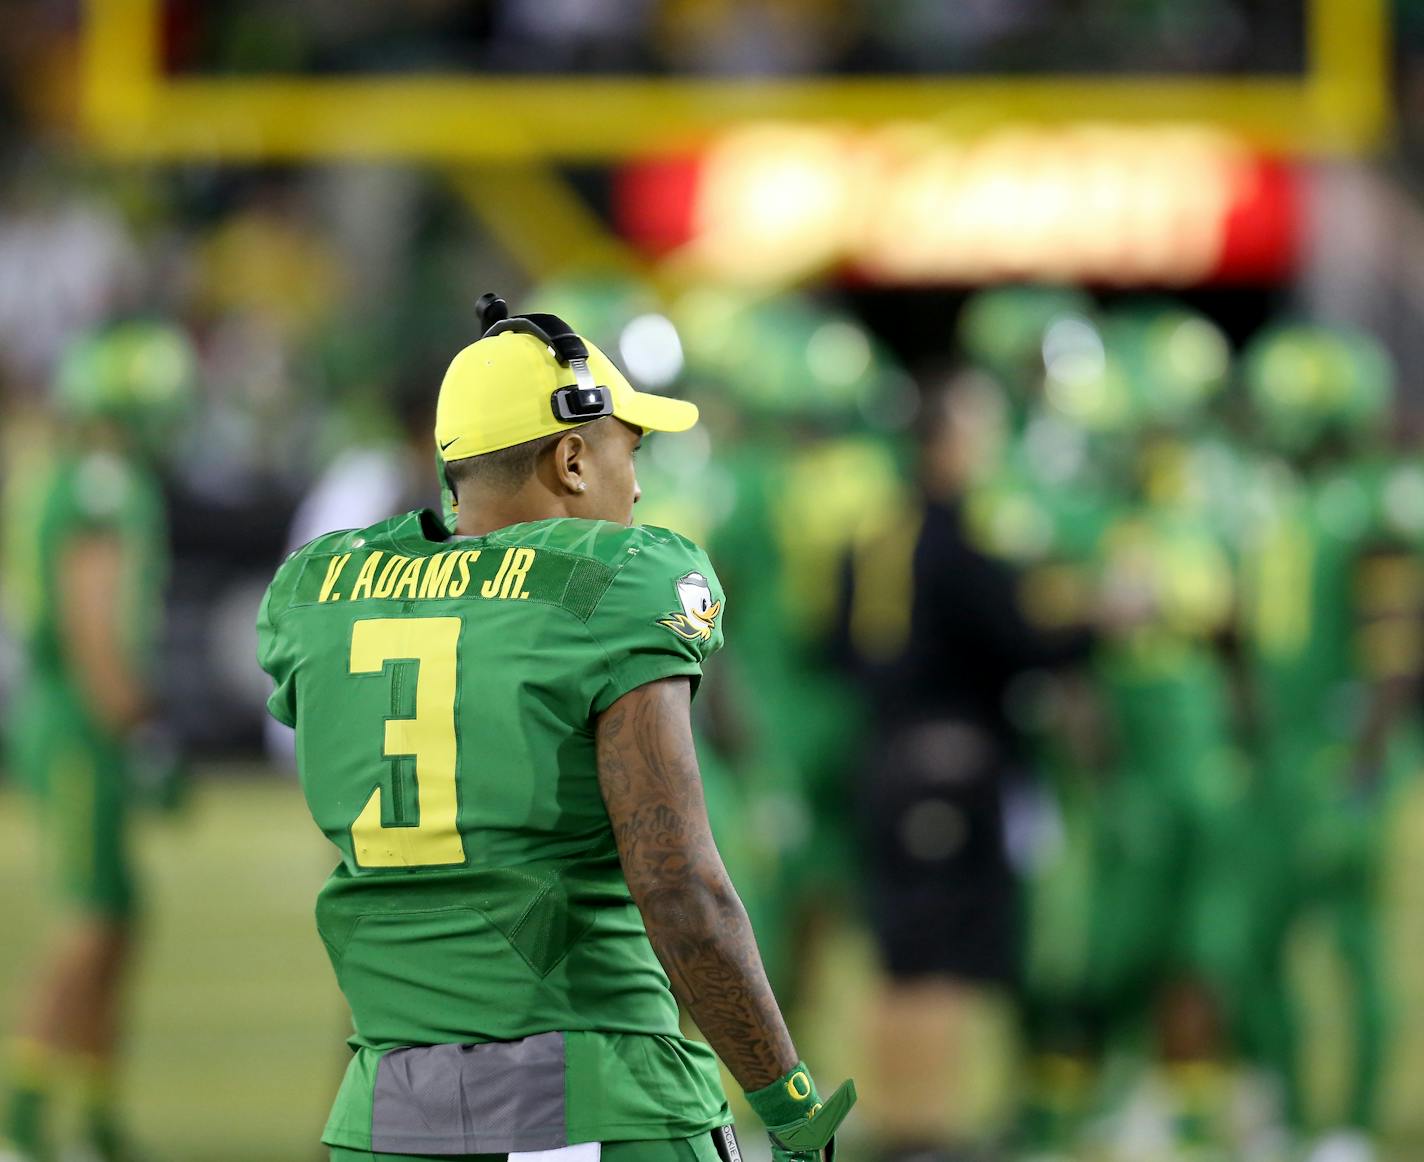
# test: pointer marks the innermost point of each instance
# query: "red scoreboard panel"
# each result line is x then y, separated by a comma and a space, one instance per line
907, 205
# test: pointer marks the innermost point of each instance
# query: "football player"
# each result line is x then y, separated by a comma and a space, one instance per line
1332, 628
85, 561
493, 728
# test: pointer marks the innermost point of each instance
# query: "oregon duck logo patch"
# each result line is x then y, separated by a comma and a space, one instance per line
698, 616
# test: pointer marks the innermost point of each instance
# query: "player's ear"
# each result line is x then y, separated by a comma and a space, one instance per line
571, 461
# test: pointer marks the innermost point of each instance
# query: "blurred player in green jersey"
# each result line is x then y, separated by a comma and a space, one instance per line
85, 562
804, 476
493, 729
1102, 506
1041, 507
1332, 626
1170, 921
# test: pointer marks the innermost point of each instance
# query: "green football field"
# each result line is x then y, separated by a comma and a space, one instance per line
237, 1034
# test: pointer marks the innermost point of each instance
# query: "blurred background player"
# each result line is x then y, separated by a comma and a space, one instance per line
1331, 621
1167, 928
85, 563
802, 403
1101, 503
1038, 508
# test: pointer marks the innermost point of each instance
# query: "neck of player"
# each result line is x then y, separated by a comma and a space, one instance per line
483, 512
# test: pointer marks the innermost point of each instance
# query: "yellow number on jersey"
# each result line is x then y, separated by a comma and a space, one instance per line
429, 737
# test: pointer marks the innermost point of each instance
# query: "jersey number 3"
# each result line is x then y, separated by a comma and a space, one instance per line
428, 738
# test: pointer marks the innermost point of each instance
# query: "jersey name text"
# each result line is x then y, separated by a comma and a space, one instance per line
382, 575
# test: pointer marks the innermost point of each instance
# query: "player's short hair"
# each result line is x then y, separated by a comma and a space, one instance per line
504, 470
507, 469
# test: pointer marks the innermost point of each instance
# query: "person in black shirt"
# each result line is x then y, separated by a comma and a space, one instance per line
936, 633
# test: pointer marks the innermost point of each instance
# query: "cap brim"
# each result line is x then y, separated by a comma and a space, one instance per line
656, 413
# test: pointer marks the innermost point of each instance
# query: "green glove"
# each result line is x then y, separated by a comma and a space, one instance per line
802, 1128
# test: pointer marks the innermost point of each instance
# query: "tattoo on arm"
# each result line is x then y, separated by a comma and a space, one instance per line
651, 784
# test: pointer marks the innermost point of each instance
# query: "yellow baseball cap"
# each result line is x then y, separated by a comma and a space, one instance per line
510, 387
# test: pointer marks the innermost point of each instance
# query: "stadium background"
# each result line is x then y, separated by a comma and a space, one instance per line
317, 194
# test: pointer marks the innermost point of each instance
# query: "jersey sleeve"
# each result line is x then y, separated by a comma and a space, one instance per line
661, 617
276, 652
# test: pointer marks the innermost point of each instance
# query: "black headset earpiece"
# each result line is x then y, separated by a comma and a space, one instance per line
489, 310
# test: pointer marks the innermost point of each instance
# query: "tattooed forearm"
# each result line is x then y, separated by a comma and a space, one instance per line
648, 771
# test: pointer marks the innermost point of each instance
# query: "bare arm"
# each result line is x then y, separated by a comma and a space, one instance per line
647, 768
90, 580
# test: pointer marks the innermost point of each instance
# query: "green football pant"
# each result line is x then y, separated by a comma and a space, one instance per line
1347, 893
695, 1149
1357, 929
1168, 897
79, 784
1271, 1021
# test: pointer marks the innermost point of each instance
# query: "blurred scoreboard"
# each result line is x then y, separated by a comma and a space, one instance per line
908, 205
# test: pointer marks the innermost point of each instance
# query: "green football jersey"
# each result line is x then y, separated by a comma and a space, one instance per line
1312, 561
1163, 677
1299, 614
52, 497
444, 692
795, 512
1303, 563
